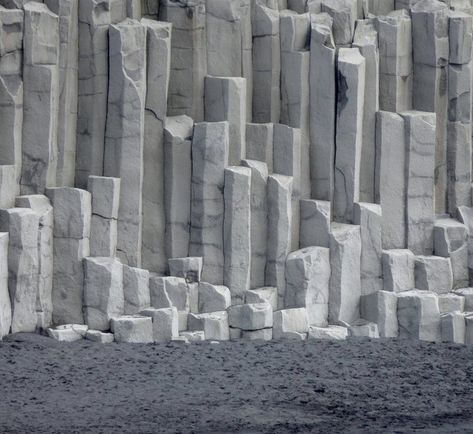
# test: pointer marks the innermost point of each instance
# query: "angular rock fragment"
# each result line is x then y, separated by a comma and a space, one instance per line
168, 292
194, 336
5, 302
467, 293
68, 332
449, 303
261, 335
363, 328
344, 14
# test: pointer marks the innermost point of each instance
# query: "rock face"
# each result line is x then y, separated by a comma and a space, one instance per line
231, 169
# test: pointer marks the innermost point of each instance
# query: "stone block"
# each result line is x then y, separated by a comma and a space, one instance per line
133, 329
100, 337
103, 292
418, 315
105, 193
267, 294
344, 14
194, 336
258, 335
68, 332
453, 327
254, 316
467, 293
380, 307
169, 292
259, 143
449, 303
362, 328
398, 270
135, 289
433, 273
165, 323
5, 302
213, 298
308, 281
287, 323
214, 325
331, 332
315, 223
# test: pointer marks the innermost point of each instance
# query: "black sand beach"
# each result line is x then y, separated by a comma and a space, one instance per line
353, 386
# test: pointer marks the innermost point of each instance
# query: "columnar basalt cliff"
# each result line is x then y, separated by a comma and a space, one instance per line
236, 169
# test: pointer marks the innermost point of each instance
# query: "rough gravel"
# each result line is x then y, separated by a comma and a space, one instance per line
341, 387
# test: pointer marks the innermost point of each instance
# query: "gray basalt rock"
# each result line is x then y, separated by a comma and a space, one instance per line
254, 316
398, 270
453, 327
165, 323
22, 224
307, 283
380, 307
103, 292
5, 302
315, 223
214, 325
124, 138
187, 268
451, 303
433, 273
290, 323
331, 332
135, 289
213, 298
418, 315
237, 231
266, 294
133, 329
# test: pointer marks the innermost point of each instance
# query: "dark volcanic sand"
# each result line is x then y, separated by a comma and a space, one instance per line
354, 386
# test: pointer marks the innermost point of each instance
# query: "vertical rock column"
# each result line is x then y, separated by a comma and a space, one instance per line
94, 20
395, 61
351, 90
72, 218
177, 184
322, 108
105, 194
287, 158
366, 39
420, 166
150, 9
259, 221
42, 207
210, 146
11, 94
225, 100
391, 178
237, 232
266, 65
188, 57
459, 112
157, 81
22, 225
67, 11
5, 302
125, 132
295, 61
41, 98
279, 232
430, 54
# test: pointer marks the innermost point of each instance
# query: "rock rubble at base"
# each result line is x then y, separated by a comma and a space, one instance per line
222, 170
